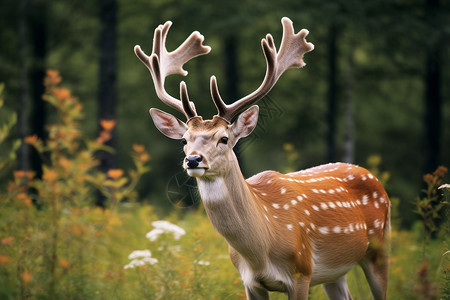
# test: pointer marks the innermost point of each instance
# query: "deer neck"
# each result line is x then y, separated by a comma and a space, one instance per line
234, 212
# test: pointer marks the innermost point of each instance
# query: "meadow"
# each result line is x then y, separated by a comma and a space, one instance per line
55, 244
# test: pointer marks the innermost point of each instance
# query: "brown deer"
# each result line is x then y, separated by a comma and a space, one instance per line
286, 232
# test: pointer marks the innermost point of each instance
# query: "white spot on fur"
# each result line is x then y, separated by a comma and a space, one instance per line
289, 226
286, 206
376, 204
299, 198
331, 205
276, 205
331, 191
323, 230
323, 206
283, 190
293, 202
315, 207
307, 212
365, 200
337, 229
301, 224
315, 191
375, 195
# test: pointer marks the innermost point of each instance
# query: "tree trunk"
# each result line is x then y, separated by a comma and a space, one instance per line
349, 156
38, 28
107, 79
332, 93
23, 163
433, 98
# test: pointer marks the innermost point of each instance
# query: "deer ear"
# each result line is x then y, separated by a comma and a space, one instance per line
245, 123
168, 124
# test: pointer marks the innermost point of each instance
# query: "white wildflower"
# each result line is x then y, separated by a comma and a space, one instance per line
140, 253
445, 186
140, 258
203, 263
164, 227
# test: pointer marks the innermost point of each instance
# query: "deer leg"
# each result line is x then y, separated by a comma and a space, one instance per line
301, 289
375, 268
337, 290
256, 293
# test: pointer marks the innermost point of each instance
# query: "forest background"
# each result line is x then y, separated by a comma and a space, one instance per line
374, 91
374, 85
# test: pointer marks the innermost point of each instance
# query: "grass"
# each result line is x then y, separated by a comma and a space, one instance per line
194, 267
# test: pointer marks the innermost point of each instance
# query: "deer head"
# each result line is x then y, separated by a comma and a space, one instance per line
208, 144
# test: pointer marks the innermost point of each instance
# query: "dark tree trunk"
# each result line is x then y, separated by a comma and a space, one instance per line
231, 73
23, 163
433, 99
332, 93
38, 37
107, 78
349, 156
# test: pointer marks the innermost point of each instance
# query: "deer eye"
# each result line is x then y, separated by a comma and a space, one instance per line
224, 140
183, 141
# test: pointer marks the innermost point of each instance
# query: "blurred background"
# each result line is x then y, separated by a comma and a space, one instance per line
374, 91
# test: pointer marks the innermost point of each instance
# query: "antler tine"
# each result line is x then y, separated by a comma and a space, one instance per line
162, 63
293, 47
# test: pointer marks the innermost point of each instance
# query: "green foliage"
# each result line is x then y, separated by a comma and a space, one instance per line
48, 227
429, 207
10, 149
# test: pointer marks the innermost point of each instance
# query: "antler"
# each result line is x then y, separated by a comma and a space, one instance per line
162, 64
293, 47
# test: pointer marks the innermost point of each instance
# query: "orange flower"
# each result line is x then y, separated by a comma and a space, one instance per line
8, 240
138, 148
61, 93
4, 259
144, 157
64, 263
103, 137
107, 125
23, 174
24, 197
50, 175
64, 162
440, 171
32, 139
115, 173
26, 276
53, 77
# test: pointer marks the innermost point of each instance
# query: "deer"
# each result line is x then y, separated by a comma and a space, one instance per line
285, 232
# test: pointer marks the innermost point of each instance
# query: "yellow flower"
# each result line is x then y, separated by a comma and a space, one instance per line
115, 173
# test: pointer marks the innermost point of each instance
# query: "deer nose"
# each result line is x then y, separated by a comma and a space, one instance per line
193, 161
